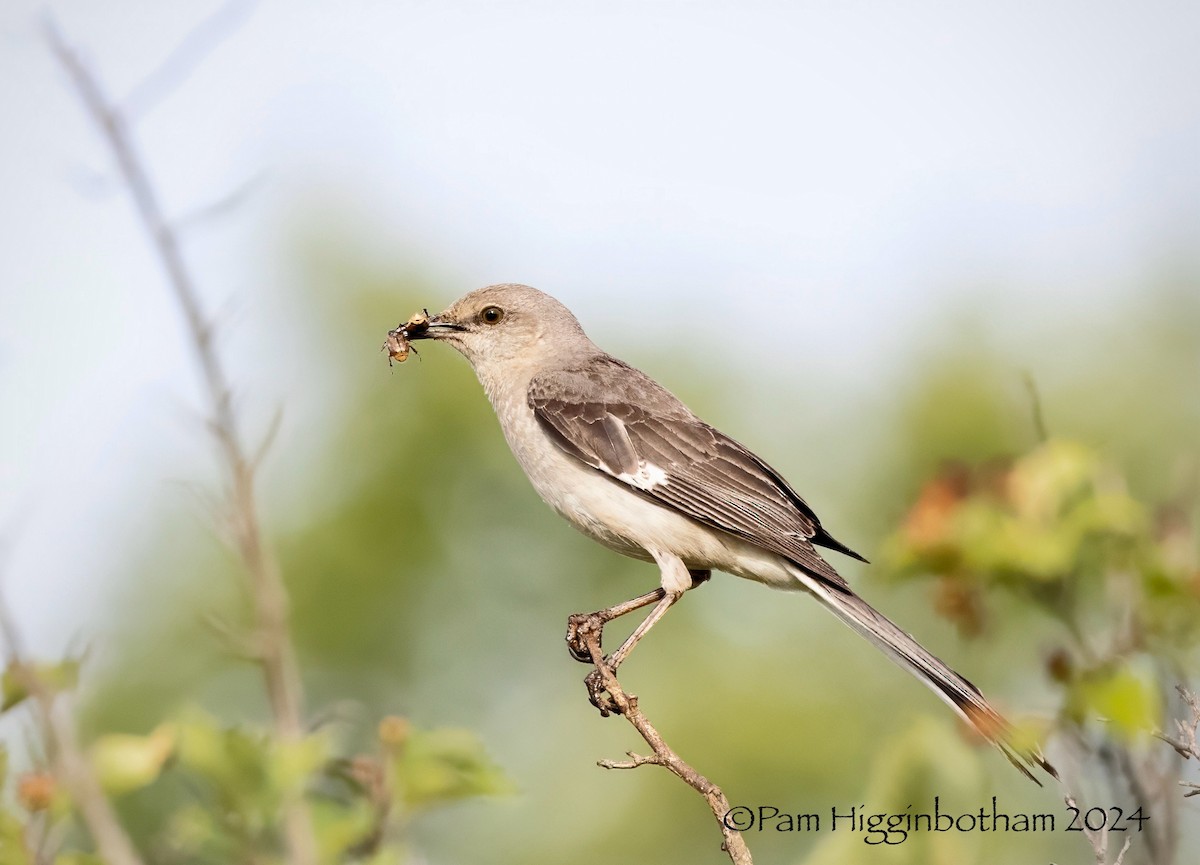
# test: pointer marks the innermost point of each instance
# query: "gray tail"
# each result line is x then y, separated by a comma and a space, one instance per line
959, 694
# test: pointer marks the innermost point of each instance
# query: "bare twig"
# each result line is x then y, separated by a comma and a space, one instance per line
1099, 840
1186, 745
68, 761
185, 57
1124, 849
1035, 403
627, 704
265, 582
218, 207
633, 762
1148, 785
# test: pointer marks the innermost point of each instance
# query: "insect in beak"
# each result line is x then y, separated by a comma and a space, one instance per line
397, 343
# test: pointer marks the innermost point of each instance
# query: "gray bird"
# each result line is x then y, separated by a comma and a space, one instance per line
629, 465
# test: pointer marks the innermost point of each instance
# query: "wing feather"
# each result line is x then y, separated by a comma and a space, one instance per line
623, 424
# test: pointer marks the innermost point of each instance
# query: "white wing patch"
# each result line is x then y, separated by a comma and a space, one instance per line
648, 477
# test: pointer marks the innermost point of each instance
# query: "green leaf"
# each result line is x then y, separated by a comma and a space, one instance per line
340, 827
293, 763
202, 745
1109, 514
124, 763
12, 840
1042, 482
445, 765
192, 828
1129, 701
234, 760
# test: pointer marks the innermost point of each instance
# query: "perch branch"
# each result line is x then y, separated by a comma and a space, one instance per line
276, 653
627, 704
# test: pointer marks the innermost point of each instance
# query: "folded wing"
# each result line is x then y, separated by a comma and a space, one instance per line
640, 435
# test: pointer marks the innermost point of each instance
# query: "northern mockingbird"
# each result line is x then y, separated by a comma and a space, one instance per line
629, 465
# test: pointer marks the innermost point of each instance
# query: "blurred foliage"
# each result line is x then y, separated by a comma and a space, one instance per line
237, 780
916, 765
1057, 528
430, 589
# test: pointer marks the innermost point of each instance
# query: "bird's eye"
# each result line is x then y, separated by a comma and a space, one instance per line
492, 315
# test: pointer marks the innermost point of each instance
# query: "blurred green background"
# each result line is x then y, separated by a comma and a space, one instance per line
428, 581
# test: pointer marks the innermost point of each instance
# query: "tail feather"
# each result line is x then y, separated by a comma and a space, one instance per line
958, 693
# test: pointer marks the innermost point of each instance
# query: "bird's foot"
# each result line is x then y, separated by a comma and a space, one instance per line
580, 627
598, 694
583, 631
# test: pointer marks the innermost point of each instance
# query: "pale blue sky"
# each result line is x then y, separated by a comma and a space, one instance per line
843, 171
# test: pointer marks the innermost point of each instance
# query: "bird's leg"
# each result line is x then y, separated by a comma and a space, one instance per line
614, 660
594, 681
579, 624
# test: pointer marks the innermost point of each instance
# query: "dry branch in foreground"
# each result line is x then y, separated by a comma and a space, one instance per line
273, 646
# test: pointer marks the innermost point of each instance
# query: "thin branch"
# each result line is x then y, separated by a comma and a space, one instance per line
627, 704
265, 581
1035, 402
1146, 790
196, 45
1186, 745
68, 761
235, 643
218, 207
1124, 849
1099, 840
633, 762
268, 439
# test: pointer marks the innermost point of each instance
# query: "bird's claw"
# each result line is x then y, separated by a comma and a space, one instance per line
580, 627
598, 695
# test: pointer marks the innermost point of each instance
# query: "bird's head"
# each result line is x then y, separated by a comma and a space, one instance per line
505, 325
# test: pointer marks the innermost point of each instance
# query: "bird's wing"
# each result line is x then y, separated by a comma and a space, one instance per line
622, 423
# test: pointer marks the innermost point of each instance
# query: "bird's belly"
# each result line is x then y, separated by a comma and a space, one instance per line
621, 519
606, 513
